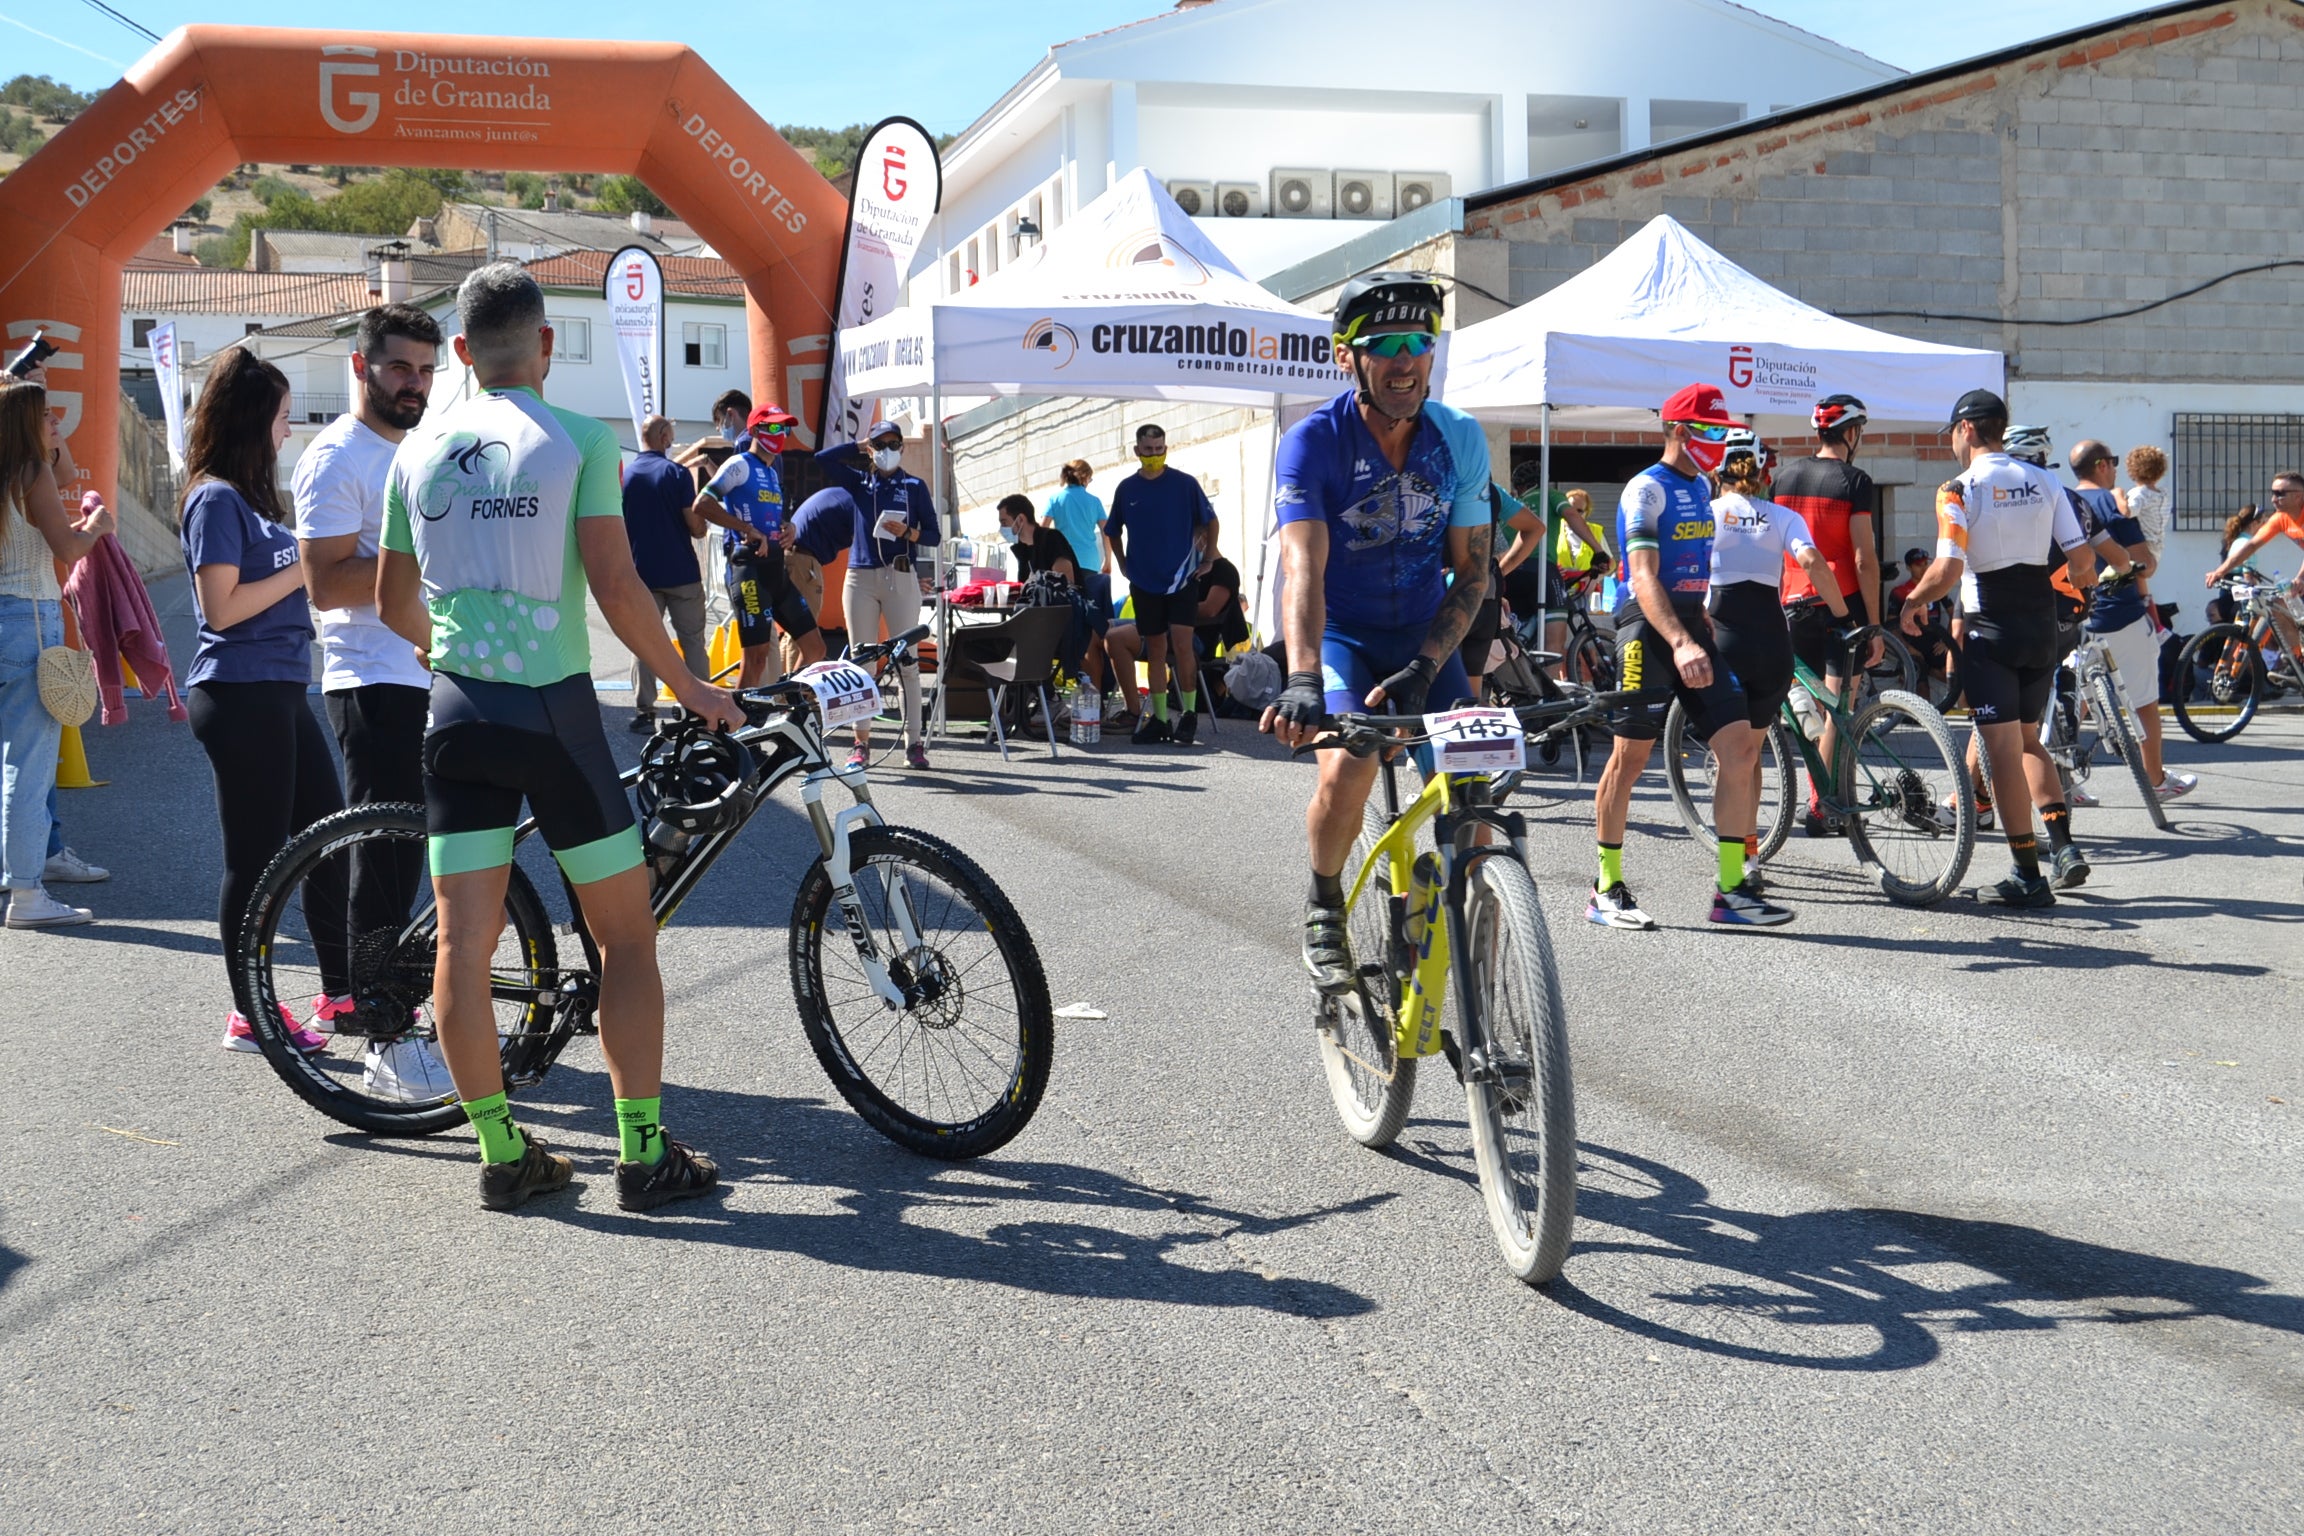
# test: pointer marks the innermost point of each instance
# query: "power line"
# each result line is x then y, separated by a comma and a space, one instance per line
134, 26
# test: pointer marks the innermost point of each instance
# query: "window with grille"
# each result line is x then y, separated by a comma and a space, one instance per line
2222, 462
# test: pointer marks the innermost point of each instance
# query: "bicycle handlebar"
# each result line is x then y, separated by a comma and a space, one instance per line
1362, 734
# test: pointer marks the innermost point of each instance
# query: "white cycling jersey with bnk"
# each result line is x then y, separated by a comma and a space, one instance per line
2000, 512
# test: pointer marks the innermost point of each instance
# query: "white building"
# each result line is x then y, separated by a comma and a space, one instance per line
1321, 119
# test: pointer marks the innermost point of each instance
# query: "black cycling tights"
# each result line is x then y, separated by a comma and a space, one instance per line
274, 778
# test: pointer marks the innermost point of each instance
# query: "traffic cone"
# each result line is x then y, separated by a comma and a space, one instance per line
726, 654
72, 763
128, 679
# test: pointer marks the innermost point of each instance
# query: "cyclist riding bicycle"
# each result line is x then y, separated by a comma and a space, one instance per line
1666, 650
1385, 537
2286, 517
1754, 542
1836, 499
495, 525
1997, 521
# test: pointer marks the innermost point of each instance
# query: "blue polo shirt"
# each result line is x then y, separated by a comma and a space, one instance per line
271, 646
825, 524
876, 496
657, 496
1151, 526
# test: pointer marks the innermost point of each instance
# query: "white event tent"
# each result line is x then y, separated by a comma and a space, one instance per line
1606, 347
1127, 300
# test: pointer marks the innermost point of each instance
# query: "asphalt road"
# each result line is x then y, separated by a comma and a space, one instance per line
1892, 1220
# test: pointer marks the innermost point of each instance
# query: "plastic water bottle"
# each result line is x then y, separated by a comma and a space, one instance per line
1087, 716
1811, 718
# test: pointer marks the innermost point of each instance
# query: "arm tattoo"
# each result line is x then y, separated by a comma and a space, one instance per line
1465, 593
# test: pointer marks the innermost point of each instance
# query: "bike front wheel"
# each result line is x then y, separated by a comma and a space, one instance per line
1911, 810
306, 936
2234, 678
1691, 770
1370, 1082
1518, 1090
2124, 736
958, 1068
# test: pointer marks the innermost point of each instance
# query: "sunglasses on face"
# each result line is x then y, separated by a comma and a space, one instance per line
1705, 432
2279, 491
1398, 344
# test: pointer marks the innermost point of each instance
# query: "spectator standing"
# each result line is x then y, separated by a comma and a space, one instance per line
246, 684
2122, 612
372, 684
746, 498
729, 414
822, 529
1163, 534
1075, 513
2147, 502
895, 520
661, 520
35, 533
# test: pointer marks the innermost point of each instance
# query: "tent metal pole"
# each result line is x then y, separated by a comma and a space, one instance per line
1267, 526
948, 531
1544, 514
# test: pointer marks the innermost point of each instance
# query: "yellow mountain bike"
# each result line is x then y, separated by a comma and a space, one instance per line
1457, 923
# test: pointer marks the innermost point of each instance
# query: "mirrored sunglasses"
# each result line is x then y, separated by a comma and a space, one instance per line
1706, 432
1398, 344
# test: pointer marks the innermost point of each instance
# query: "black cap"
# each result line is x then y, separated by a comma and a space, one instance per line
1915, 553
1978, 405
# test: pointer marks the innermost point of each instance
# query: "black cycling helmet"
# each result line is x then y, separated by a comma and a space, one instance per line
1836, 411
1386, 299
693, 779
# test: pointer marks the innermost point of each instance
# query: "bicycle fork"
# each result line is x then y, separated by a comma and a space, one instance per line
833, 832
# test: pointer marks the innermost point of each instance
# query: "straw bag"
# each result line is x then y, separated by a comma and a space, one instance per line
68, 684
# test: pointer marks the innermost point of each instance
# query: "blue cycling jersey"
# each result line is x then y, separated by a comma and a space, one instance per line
1670, 513
1387, 528
751, 490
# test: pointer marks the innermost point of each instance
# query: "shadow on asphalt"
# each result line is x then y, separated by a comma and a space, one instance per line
889, 1201
1885, 1285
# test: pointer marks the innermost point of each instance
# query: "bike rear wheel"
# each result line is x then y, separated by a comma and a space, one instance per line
1689, 768
389, 975
2121, 731
1521, 1099
1591, 661
1911, 811
2235, 680
960, 1068
1371, 1083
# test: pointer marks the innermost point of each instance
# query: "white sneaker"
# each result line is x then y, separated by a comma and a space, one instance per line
68, 868
2175, 786
408, 1069
35, 908
2080, 798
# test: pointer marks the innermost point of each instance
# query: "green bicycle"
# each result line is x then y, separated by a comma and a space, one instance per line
1463, 911
1895, 789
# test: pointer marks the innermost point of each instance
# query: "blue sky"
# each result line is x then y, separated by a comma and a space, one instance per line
936, 60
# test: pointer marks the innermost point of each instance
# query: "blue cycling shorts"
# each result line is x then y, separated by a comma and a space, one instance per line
1351, 665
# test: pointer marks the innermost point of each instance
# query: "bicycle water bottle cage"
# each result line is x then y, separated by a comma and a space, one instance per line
693, 779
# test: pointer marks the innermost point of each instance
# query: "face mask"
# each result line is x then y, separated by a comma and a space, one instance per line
887, 458
1007, 534
1153, 461
1706, 455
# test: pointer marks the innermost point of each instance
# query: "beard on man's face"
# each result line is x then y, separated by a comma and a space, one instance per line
401, 411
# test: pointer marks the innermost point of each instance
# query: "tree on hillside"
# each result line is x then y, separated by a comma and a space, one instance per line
629, 194
385, 206
525, 189
19, 135
44, 97
834, 150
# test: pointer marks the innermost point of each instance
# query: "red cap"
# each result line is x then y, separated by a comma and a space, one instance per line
1700, 403
772, 415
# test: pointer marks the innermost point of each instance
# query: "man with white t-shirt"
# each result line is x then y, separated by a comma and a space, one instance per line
375, 686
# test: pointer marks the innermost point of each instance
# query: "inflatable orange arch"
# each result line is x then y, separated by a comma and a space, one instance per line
209, 98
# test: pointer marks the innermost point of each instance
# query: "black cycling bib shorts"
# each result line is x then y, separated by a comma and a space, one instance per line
764, 599
490, 745
1644, 666
1748, 626
2012, 647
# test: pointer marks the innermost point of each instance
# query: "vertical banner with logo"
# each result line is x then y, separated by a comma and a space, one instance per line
899, 185
634, 289
167, 373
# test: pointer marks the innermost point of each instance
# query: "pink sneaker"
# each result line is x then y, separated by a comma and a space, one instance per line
327, 1010
240, 1035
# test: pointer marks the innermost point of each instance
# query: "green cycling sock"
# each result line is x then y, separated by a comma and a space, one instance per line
1191, 698
1611, 865
500, 1139
1731, 863
640, 1130
1160, 706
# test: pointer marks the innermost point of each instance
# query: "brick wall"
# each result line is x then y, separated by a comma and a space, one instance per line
2052, 187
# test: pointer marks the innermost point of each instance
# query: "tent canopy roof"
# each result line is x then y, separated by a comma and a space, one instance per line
1664, 309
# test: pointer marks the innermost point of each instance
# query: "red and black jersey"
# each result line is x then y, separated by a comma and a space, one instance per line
1827, 493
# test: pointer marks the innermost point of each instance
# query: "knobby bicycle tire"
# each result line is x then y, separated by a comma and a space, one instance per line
1914, 799
388, 962
1592, 662
1371, 1084
2127, 743
1779, 782
2236, 678
938, 1043
1523, 1137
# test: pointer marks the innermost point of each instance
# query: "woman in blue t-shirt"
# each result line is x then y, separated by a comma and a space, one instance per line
247, 683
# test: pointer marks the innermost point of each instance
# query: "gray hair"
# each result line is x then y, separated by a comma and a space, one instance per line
502, 310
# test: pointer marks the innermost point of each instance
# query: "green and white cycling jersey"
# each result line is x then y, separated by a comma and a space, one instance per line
487, 501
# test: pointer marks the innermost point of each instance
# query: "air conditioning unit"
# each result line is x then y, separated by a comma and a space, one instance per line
1196, 198
1303, 194
1363, 194
1239, 200
1412, 190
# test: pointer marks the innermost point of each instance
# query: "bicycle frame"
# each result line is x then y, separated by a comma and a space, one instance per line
1458, 807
